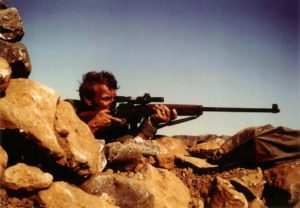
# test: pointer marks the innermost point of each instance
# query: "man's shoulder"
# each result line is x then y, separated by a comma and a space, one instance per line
77, 104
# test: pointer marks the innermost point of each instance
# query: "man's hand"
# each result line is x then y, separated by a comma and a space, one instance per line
163, 114
102, 119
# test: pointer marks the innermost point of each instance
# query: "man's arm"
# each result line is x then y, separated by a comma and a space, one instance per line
162, 115
102, 119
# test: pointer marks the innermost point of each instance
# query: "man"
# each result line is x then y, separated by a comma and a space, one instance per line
97, 94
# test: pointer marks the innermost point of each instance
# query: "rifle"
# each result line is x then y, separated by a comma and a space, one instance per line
134, 110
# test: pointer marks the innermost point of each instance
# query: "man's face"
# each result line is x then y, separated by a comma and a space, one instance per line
104, 97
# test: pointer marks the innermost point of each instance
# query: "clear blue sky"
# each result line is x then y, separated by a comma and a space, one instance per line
237, 53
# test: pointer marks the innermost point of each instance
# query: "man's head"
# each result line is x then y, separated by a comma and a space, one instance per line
98, 89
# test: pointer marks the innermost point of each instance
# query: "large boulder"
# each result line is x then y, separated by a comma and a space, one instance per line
51, 125
283, 182
151, 187
11, 27
18, 58
226, 196
24, 177
64, 195
82, 149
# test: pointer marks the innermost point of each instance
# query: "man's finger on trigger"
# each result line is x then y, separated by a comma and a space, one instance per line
174, 113
118, 120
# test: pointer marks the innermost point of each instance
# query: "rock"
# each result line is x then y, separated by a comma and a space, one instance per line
191, 140
3, 160
165, 160
2, 5
193, 162
131, 153
51, 125
18, 58
169, 145
24, 177
209, 145
84, 151
151, 187
285, 177
3, 196
5, 75
257, 203
64, 195
251, 182
11, 25
126, 191
31, 107
126, 156
226, 196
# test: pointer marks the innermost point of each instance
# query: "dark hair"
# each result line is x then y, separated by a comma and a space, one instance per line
91, 79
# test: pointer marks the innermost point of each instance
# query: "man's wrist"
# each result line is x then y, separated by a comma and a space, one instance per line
148, 129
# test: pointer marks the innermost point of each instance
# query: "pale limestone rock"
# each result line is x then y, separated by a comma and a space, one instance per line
169, 145
257, 203
64, 195
126, 156
5, 75
31, 107
52, 125
127, 192
226, 196
252, 180
285, 177
83, 148
165, 160
168, 190
3, 160
11, 25
18, 58
209, 145
194, 162
131, 153
24, 177
151, 187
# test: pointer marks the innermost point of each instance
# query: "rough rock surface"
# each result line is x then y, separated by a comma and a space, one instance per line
5, 75
226, 196
52, 125
3, 160
79, 142
209, 145
11, 27
195, 163
30, 107
18, 58
151, 187
169, 145
24, 177
285, 178
64, 195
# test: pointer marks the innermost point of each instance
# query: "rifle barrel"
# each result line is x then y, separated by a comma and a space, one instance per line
187, 110
274, 109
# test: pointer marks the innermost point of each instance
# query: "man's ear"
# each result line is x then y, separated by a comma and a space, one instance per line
88, 101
